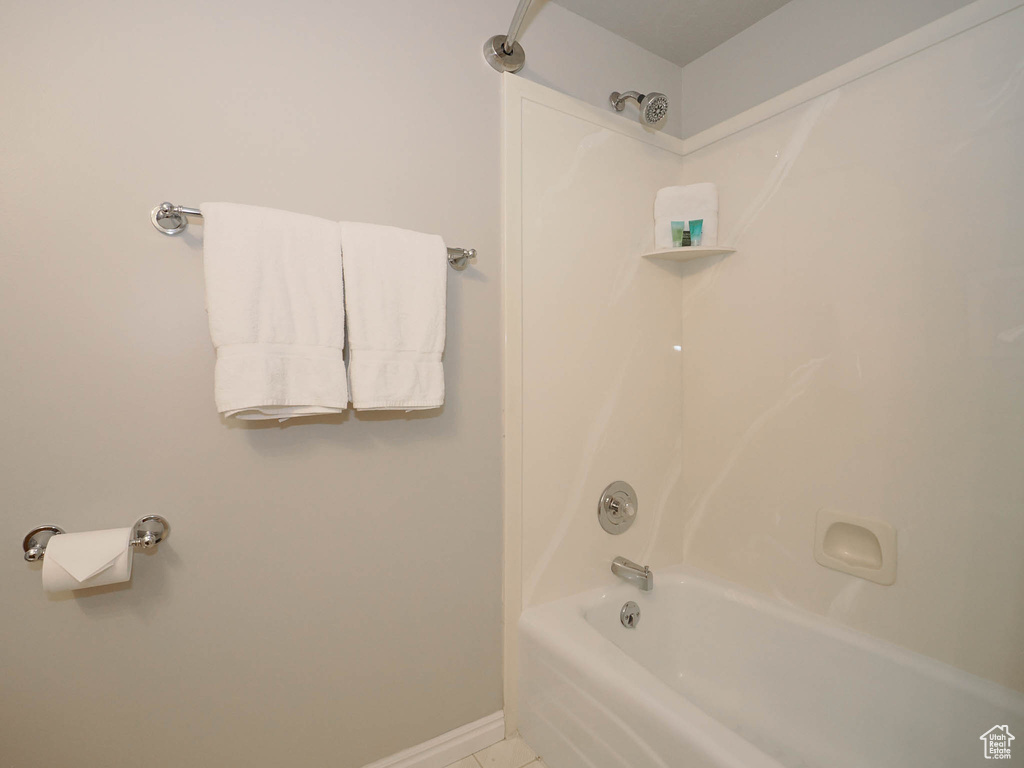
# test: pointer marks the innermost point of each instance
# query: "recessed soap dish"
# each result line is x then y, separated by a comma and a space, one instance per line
856, 545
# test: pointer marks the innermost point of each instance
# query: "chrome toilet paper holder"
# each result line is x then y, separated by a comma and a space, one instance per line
147, 532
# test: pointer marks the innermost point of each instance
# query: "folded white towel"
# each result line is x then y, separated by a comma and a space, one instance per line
689, 203
275, 296
395, 285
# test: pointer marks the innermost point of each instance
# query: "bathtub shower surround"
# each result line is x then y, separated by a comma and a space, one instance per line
719, 676
591, 358
871, 375
855, 354
599, 363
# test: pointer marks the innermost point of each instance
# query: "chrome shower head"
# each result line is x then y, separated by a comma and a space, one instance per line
653, 105
653, 108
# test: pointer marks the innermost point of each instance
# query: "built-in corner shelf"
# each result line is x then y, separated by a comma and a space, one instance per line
687, 253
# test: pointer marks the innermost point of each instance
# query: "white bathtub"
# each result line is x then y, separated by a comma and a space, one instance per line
715, 675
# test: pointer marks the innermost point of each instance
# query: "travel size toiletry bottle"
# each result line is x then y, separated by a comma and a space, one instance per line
696, 232
678, 228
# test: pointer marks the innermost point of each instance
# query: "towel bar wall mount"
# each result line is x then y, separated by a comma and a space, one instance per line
146, 534
173, 219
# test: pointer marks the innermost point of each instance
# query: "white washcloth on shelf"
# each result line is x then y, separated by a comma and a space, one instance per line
275, 296
395, 285
694, 201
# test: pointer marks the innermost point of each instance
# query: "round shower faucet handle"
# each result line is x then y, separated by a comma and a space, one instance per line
617, 508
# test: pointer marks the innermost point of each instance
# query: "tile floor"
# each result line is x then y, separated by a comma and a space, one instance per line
510, 753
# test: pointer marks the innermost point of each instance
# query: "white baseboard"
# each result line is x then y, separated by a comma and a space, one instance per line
449, 747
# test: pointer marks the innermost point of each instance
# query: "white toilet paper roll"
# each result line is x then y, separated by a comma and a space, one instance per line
91, 559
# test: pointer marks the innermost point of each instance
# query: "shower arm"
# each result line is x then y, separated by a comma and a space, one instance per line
618, 100
502, 52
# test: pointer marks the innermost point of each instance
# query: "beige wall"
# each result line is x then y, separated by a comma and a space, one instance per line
801, 40
330, 592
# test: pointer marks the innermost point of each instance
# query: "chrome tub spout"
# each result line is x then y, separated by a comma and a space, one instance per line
627, 569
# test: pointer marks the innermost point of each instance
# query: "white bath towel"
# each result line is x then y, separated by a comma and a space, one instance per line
275, 296
395, 284
689, 203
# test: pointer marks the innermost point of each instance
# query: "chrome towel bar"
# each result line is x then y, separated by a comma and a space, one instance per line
173, 219
146, 533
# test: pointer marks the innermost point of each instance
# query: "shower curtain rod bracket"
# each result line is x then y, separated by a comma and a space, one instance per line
499, 59
502, 52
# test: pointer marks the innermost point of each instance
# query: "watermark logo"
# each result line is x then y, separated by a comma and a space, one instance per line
997, 742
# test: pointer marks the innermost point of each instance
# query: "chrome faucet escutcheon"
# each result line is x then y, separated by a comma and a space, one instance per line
627, 569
